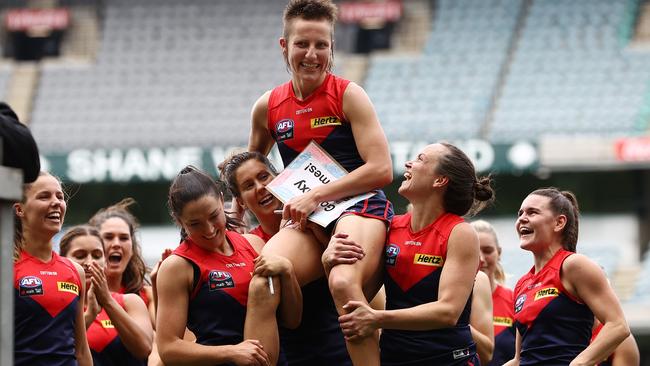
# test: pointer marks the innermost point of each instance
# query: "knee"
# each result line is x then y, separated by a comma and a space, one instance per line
341, 285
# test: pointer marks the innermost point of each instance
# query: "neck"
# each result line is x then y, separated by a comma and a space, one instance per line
270, 224
303, 89
544, 256
38, 246
424, 214
114, 282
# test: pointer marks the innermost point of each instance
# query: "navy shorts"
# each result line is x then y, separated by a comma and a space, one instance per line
375, 207
469, 357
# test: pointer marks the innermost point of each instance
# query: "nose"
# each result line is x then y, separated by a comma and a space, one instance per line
311, 52
481, 259
259, 186
87, 262
408, 164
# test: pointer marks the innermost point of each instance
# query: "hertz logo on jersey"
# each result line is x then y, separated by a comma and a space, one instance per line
68, 287
503, 321
324, 121
107, 323
547, 292
428, 260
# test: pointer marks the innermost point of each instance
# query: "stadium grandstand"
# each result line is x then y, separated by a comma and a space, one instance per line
121, 94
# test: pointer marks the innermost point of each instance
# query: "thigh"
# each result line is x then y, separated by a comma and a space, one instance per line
302, 249
370, 233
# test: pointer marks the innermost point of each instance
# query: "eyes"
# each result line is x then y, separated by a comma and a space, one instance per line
82, 254
250, 184
321, 45
213, 217
120, 237
46, 196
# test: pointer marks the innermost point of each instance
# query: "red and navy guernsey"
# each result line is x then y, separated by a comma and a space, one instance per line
294, 123
46, 299
105, 344
554, 326
504, 326
217, 307
414, 262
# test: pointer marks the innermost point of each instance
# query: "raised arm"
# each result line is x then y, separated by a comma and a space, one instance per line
586, 280
132, 323
480, 320
174, 284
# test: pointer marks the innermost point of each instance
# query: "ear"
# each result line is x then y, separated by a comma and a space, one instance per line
18, 209
440, 181
283, 44
560, 223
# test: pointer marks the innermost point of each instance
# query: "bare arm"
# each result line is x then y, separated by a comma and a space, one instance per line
372, 145
627, 353
174, 286
260, 138
456, 282
586, 280
82, 351
133, 323
377, 171
481, 318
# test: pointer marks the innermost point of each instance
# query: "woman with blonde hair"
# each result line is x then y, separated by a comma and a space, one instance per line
502, 301
48, 308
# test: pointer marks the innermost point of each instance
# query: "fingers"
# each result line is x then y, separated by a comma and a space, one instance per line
351, 305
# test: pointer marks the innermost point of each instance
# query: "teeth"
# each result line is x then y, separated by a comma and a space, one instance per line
266, 200
309, 65
407, 175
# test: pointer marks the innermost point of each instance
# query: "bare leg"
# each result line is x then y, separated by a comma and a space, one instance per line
261, 307
304, 252
347, 281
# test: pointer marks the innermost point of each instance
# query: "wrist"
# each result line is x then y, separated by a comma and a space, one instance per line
381, 317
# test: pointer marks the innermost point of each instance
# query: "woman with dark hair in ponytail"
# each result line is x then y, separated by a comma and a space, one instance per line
204, 284
48, 307
556, 301
431, 260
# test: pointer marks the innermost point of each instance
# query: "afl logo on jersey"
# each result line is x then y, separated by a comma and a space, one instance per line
519, 304
392, 251
30, 285
219, 279
284, 129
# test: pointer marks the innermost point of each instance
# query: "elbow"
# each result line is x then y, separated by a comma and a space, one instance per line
291, 322
624, 330
385, 175
449, 318
143, 352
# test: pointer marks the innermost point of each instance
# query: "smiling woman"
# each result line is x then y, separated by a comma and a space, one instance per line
47, 310
204, 284
125, 268
338, 114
